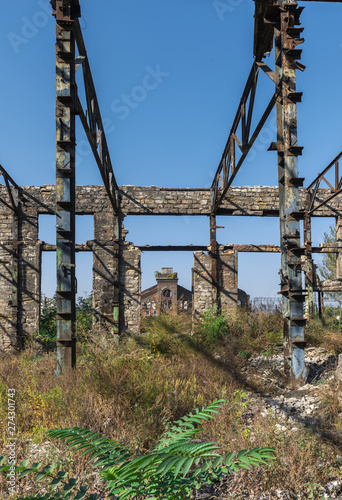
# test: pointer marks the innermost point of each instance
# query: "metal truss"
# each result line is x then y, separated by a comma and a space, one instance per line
92, 122
311, 279
312, 189
230, 163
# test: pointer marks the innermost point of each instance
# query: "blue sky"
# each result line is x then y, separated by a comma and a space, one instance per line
192, 57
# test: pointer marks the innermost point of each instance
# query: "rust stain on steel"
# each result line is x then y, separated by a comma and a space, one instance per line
65, 12
285, 18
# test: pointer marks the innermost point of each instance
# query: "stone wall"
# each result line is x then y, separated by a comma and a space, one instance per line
41, 200
29, 272
35, 200
250, 201
7, 327
130, 287
104, 270
202, 285
253, 201
227, 280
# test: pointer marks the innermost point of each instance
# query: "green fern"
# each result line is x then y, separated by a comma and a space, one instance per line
172, 470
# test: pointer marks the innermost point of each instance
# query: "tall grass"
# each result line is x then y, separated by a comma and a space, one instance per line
129, 391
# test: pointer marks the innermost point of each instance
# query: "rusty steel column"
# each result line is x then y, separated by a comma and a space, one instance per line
214, 264
287, 37
65, 11
309, 265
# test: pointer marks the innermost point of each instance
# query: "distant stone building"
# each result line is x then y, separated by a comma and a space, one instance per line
166, 296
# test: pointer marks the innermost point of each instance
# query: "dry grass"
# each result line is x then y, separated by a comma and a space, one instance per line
129, 391
325, 333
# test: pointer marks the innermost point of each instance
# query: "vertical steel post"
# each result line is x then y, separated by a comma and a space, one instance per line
214, 263
309, 271
286, 54
65, 12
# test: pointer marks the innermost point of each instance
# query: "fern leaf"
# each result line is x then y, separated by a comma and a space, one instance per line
179, 465
187, 466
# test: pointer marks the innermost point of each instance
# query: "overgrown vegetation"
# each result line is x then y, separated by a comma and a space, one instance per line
130, 392
326, 332
47, 334
174, 468
244, 332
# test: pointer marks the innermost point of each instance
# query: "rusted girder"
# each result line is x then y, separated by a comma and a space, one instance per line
92, 123
94, 129
263, 31
315, 184
230, 162
285, 19
13, 192
66, 12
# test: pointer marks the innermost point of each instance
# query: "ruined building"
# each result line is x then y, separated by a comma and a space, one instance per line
166, 296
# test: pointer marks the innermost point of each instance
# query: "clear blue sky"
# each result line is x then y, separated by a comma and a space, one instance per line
172, 134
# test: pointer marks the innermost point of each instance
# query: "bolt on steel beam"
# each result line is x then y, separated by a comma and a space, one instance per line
65, 11
285, 18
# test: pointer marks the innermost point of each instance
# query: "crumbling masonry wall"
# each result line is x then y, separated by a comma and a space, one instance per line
7, 327
130, 286
227, 282
36, 200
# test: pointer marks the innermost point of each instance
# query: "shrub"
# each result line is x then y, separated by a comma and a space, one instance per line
212, 327
163, 331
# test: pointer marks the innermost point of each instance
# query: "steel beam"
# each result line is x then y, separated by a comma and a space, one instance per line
285, 18
65, 11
